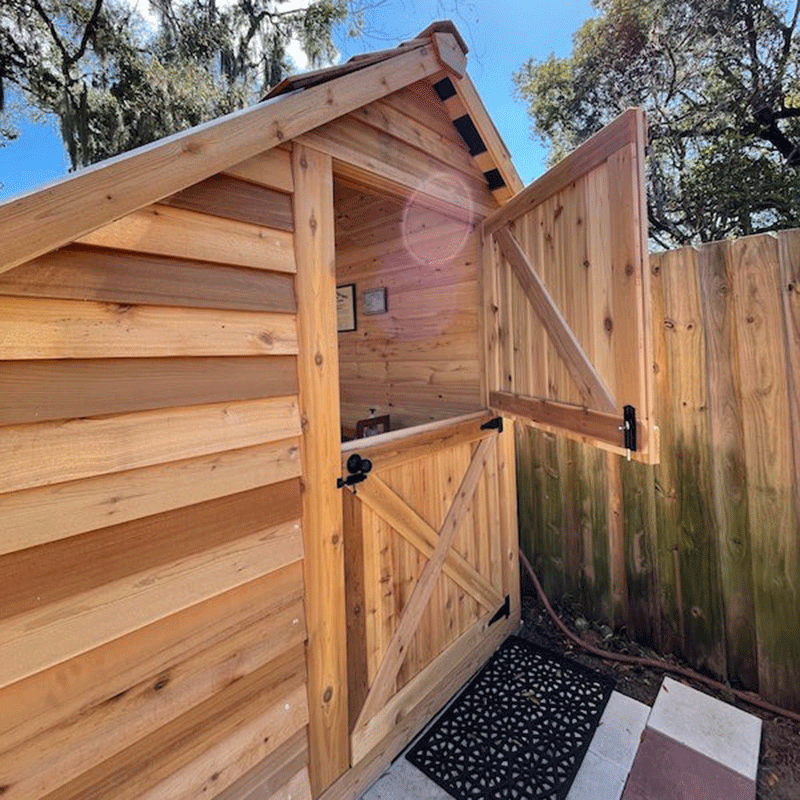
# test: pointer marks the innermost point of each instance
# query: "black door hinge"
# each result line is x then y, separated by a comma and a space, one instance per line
629, 428
358, 468
496, 423
503, 612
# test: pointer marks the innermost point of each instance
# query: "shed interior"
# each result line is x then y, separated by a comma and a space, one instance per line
418, 361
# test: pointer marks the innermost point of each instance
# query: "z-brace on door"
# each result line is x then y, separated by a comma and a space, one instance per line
567, 297
431, 571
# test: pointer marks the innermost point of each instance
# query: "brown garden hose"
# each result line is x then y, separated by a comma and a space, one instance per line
748, 697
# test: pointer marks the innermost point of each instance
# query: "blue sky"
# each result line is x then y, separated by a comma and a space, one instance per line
501, 35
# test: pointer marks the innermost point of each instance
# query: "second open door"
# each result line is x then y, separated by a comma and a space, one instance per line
567, 297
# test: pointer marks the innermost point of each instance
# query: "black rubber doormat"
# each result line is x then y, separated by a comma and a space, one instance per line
519, 730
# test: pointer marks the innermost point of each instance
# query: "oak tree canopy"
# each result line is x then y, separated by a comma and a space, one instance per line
720, 82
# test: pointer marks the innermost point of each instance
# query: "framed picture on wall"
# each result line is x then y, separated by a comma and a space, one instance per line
346, 307
374, 301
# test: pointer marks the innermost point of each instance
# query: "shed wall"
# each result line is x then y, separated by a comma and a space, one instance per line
151, 562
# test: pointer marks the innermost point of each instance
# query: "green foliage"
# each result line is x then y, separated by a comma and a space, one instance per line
720, 81
116, 80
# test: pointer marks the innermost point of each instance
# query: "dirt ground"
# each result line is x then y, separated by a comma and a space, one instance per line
779, 762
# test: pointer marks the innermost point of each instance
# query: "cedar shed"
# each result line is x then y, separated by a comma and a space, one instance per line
203, 592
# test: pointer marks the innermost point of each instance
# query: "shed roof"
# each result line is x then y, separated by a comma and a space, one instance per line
63, 211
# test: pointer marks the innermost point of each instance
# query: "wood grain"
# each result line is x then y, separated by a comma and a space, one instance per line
271, 168
80, 703
101, 730
319, 449
382, 685
770, 469
728, 468
226, 735
229, 197
165, 231
36, 391
273, 773
80, 272
33, 328
93, 503
54, 452
589, 155
36, 577
40, 638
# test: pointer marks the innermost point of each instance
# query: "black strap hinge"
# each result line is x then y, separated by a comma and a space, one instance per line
629, 428
504, 612
496, 423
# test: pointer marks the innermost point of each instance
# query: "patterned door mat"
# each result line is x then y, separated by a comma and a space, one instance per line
519, 730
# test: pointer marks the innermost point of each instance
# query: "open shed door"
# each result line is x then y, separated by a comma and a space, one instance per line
567, 294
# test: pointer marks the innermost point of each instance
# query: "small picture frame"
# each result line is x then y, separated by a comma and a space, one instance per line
372, 426
346, 307
373, 301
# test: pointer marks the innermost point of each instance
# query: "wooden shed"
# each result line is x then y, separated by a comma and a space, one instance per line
203, 592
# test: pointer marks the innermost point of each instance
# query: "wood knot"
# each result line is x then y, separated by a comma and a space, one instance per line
328, 695
192, 147
608, 324
312, 223
318, 359
629, 269
266, 337
160, 683
669, 324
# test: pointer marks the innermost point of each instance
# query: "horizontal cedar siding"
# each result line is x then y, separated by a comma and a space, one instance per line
151, 563
36, 391
80, 272
225, 196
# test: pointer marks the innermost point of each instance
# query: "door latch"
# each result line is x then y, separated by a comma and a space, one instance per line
358, 469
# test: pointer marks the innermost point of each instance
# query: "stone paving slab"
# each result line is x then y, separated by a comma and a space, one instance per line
667, 770
702, 723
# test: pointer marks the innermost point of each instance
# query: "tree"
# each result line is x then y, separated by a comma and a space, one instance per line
720, 82
115, 80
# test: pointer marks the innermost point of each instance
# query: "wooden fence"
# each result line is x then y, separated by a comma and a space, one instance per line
699, 555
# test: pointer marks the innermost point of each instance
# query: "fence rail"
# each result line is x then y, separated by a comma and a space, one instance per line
700, 554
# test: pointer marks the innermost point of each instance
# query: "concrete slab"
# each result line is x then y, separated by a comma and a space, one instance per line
598, 778
720, 731
620, 730
402, 781
667, 770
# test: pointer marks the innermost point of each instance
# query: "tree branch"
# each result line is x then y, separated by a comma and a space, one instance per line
52, 28
90, 28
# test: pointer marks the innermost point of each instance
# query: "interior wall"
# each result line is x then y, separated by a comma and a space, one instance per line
419, 361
